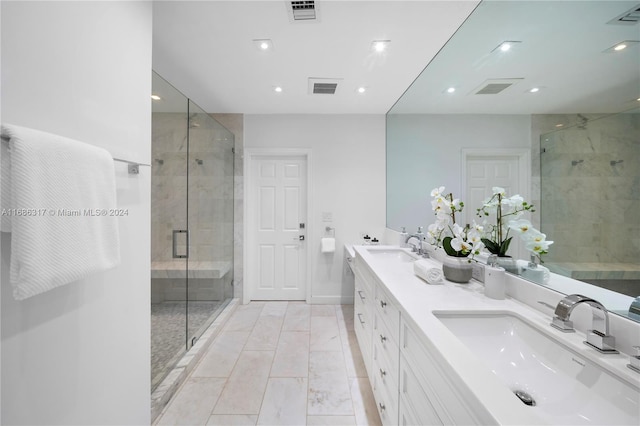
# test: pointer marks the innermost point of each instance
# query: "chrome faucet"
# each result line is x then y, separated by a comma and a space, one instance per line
598, 338
420, 237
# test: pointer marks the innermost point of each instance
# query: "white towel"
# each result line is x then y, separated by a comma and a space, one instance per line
425, 270
328, 245
62, 228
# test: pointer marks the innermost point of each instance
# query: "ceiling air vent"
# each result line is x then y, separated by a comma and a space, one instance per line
494, 86
630, 17
304, 10
323, 86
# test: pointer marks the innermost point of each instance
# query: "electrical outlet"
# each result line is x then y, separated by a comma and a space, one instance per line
478, 271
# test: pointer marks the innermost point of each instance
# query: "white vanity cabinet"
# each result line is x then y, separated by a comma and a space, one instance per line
410, 384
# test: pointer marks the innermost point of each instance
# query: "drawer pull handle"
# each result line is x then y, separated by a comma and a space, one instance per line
360, 318
361, 296
382, 338
382, 407
382, 373
383, 303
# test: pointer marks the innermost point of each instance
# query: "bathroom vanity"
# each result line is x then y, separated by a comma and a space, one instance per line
447, 354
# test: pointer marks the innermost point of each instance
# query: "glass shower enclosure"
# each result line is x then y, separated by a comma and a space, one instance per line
191, 225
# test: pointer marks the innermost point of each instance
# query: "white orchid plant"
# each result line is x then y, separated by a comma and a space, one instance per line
456, 240
508, 211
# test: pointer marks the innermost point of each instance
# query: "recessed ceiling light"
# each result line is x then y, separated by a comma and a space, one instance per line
506, 45
559, 125
380, 45
155, 97
362, 89
623, 45
263, 44
534, 90
451, 89
277, 89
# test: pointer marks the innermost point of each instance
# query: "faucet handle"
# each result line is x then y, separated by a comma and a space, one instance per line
566, 326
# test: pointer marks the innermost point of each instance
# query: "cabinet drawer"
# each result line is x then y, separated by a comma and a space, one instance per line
387, 310
413, 396
386, 401
387, 340
384, 369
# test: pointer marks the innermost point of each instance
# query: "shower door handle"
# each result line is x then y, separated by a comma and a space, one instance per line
175, 243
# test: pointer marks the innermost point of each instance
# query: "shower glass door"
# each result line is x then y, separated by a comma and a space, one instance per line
210, 219
191, 225
169, 178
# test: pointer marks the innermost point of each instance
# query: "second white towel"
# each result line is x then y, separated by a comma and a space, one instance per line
328, 245
425, 270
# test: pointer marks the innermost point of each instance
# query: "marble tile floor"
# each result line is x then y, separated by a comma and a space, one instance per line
278, 363
168, 332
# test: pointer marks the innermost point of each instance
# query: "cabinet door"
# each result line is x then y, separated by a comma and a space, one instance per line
414, 399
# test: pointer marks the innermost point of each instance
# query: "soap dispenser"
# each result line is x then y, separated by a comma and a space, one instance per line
532, 271
494, 279
403, 237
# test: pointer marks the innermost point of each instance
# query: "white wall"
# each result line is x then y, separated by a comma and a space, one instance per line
79, 354
348, 180
426, 151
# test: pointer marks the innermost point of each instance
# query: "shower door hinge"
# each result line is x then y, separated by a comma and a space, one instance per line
233, 150
193, 340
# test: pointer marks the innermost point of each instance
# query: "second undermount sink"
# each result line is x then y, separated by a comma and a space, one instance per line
559, 384
390, 253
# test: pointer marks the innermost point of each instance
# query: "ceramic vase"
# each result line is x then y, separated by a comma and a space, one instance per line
457, 269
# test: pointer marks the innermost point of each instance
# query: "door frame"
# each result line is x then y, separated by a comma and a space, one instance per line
250, 155
524, 166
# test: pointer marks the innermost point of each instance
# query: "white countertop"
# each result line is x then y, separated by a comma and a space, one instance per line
418, 300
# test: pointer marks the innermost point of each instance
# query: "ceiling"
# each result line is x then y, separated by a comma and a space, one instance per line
206, 50
564, 51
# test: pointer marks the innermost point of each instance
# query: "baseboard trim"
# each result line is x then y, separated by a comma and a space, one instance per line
331, 300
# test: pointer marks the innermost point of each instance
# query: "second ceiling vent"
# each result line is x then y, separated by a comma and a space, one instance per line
303, 10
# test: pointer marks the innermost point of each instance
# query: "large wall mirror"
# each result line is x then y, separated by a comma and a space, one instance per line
559, 107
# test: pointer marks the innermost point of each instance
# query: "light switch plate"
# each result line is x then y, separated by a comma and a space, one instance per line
478, 271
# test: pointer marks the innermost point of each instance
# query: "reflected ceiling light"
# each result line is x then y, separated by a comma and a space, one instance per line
362, 89
623, 45
559, 125
380, 45
506, 46
155, 97
277, 89
263, 44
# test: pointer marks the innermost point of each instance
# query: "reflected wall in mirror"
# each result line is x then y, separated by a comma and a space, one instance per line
563, 68
590, 204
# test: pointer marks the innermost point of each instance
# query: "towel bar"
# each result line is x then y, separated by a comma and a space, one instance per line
134, 167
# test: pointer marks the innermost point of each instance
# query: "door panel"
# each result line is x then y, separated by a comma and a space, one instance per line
485, 172
278, 257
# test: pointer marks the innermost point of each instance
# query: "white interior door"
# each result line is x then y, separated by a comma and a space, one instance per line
277, 228
482, 173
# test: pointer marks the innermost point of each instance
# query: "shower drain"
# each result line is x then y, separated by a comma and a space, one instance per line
525, 398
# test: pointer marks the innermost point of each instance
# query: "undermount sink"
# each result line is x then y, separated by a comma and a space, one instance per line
564, 387
391, 254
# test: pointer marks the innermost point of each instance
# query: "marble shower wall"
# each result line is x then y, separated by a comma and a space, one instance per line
589, 176
210, 187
